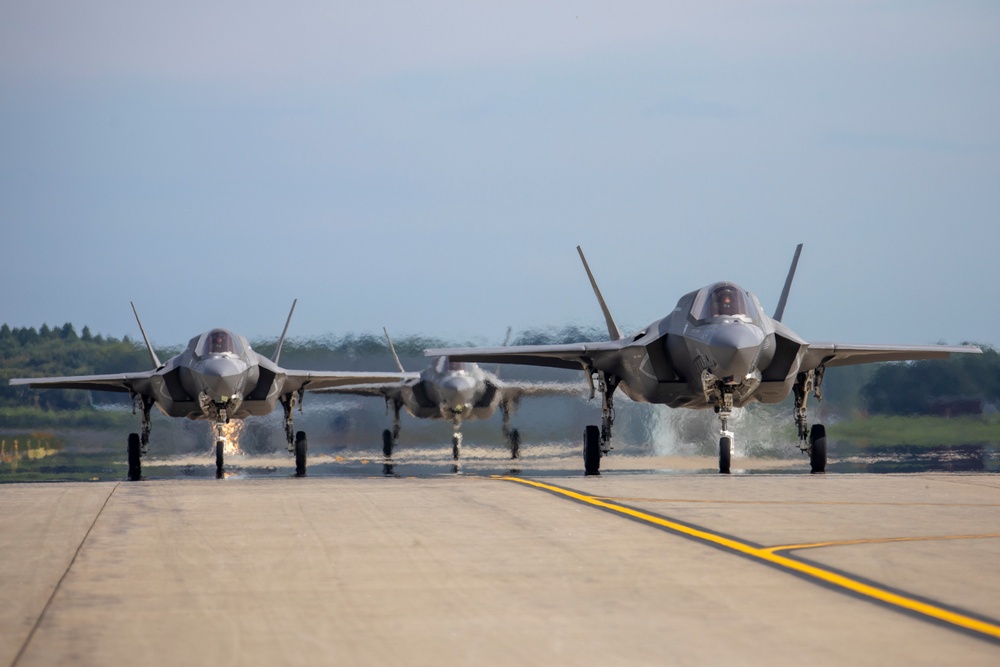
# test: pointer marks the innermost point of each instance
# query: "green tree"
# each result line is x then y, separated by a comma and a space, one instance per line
908, 388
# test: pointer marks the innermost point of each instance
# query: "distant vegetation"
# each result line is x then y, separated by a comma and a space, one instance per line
966, 383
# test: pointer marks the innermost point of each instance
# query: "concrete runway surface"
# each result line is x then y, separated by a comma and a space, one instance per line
621, 569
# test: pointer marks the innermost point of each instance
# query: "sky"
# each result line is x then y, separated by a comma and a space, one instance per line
431, 166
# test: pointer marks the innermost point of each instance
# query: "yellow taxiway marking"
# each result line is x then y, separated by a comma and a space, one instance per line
707, 501
769, 555
878, 540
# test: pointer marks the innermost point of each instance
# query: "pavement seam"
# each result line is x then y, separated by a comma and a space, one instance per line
48, 603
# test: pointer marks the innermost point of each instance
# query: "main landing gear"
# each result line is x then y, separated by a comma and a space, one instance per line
139, 442
511, 435
390, 438
297, 443
597, 442
811, 441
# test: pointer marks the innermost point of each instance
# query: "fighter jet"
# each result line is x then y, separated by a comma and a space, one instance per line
717, 349
217, 378
455, 391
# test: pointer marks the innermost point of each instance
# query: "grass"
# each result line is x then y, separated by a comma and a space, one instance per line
29, 418
922, 431
39, 457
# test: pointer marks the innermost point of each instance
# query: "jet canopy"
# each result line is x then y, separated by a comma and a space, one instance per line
724, 300
218, 341
446, 365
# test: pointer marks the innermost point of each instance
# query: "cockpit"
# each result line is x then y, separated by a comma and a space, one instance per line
446, 365
724, 300
218, 341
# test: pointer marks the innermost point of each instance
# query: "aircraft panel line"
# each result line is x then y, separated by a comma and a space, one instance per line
989, 630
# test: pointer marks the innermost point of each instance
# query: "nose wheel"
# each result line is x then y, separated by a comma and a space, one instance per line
725, 452
724, 408
220, 448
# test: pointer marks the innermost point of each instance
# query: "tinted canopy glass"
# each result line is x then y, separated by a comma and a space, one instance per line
218, 341
723, 300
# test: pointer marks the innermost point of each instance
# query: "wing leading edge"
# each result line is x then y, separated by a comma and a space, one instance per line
314, 380
838, 354
123, 382
574, 356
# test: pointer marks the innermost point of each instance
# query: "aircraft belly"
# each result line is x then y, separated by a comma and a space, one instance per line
773, 392
667, 393
189, 409
420, 412
254, 409
481, 413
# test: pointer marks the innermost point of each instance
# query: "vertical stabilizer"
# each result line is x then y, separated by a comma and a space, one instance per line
393, 350
152, 354
613, 330
281, 341
780, 310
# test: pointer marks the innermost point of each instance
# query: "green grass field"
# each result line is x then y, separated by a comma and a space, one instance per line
924, 431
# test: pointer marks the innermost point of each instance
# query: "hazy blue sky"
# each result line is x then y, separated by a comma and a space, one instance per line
430, 166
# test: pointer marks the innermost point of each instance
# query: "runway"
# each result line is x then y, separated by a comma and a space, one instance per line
631, 569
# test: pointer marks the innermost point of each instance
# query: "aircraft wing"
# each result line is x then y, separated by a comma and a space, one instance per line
516, 390
387, 390
574, 356
316, 380
123, 382
837, 354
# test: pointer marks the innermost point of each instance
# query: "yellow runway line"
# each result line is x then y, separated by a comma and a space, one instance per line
770, 555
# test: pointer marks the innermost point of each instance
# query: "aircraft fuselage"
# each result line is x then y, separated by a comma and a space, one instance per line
691, 356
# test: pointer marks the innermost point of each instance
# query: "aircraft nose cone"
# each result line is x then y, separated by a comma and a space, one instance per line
221, 377
735, 348
456, 392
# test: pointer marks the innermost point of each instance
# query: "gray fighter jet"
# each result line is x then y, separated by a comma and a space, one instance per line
217, 378
717, 349
455, 391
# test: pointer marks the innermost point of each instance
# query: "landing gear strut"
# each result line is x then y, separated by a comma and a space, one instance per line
390, 438
138, 442
724, 408
511, 435
811, 441
296, 440
597, 443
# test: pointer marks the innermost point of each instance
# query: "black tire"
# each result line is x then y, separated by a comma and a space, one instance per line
515, 444
301, 450
817, 449
220, 448
387, 443
592, 450
456, 446
725, 454
134, 460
